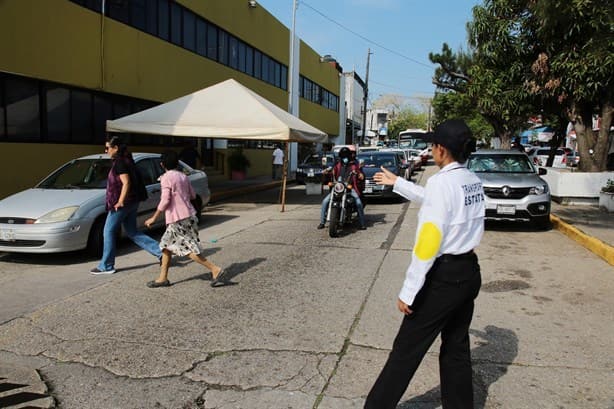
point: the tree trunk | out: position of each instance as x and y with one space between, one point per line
501 131
583 125
602 146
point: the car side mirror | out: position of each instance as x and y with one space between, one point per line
542 171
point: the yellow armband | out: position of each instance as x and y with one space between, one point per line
429 241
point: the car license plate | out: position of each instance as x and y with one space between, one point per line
7 235
506 209
310 173
368 189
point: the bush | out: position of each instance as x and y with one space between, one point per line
609 186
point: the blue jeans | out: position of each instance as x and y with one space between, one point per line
359 207
126 217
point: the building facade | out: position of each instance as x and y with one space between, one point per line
67 66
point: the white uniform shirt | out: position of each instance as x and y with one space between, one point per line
278 157
450 220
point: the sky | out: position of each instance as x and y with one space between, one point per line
400 34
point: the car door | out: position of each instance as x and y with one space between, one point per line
150 171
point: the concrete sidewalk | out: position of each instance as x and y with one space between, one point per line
590 226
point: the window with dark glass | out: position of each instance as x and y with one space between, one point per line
102 112
249 60
151 17
57 106
163 19
95 5
119 10
277 82
189 30
241 56
2 109
223 47
81 119
307 91
265 68
22 109
284 77
137 14
201 37
121 108
212 42
301 85
316 96
257 64
272 71
233 52
175 23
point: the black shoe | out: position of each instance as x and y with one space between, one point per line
155 284
362 228
321 226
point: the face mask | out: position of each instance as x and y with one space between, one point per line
345 161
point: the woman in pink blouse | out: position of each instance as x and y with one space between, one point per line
181 235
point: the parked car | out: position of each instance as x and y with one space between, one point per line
371 163
66 211
312 166
539 157
420 146
512 187
408 160
572 157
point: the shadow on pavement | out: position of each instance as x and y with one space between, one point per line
497 350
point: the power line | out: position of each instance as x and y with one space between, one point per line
365 38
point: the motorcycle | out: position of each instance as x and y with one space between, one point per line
342 205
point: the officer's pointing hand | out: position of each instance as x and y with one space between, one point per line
385 177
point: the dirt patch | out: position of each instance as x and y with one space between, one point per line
504 285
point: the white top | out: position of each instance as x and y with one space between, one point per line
450 220
278 157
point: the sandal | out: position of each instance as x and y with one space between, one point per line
155 284
219 279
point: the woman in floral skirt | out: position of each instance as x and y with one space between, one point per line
181 235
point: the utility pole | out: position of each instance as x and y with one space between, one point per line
365 97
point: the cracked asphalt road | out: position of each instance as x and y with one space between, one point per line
307 321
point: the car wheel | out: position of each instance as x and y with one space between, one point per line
542 222
198 206
95 239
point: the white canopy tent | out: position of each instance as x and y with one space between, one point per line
227 110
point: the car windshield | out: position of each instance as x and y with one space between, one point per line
500 164
413 144
79 174
375 161
316 160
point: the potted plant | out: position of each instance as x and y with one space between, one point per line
238 164
606 196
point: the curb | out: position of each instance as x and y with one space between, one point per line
603 250
224 194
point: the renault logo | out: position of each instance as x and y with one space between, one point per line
506 191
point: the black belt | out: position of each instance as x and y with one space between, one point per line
455 257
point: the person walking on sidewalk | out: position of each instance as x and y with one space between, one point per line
278 162
443 278
181 235
121 204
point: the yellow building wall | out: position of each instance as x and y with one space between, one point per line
60 41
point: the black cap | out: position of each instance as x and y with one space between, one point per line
454 134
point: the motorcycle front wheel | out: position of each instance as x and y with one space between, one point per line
333 224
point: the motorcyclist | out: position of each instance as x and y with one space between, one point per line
345 168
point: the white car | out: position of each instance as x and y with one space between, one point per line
66 211
539 157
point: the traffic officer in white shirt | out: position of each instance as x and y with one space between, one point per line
443 277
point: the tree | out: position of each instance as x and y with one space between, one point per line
407 118
451 104
574 67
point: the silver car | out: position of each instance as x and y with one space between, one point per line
514 191
66 211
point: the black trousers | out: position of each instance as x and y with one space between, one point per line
443 305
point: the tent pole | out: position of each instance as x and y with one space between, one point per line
285 175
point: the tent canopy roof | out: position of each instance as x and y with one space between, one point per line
225 110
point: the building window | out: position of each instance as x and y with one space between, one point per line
189 30
81 118
233 52
118 10
2 109
22 109
163 20
151 17
284 77
212 47
176 24
57 104
242 51
201 37
265 68
95 5
137 14
258 64
249 61
223 47
102 112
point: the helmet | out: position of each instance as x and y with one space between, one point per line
344 152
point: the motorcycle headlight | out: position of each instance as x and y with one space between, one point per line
539 190
59 215
339 188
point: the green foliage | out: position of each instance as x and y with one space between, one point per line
609 186
407 118
237 161
449 105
